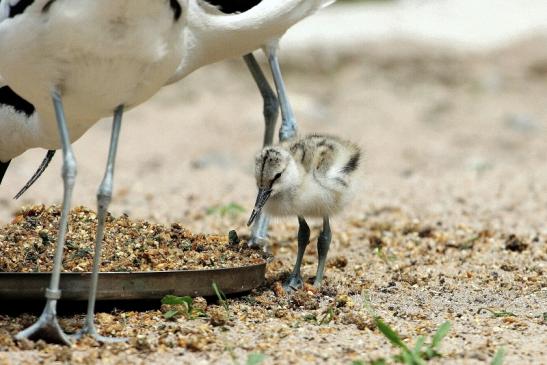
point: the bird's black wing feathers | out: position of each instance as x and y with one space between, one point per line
177 9
234 6
3 168
19 7
8 97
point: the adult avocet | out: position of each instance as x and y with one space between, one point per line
220 29
110 53
77 61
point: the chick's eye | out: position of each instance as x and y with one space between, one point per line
277 176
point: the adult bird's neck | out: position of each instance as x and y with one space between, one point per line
211 35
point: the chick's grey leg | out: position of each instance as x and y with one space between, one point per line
295 279
288 121
323 244
104 196
47 327
259 230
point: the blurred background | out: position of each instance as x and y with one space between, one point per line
448 99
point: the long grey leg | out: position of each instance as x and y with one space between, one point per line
323 244
259 230
47 327
295 280
288 121
271 105
104 196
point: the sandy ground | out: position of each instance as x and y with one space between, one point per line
455 164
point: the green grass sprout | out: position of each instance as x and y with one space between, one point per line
221 298
421 352
181 306
328 317
498 357
497 314
255 358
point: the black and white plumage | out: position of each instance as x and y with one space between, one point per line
12 8
308 177
16 109
225 28
119 52
9 99
213 30
234 6
3 167
219 29
74 62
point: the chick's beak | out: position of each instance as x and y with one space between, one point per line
262 197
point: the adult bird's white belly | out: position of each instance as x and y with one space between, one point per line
97 54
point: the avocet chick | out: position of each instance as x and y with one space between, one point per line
308 177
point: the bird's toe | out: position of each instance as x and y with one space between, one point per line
293 284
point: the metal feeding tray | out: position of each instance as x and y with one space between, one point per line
134 285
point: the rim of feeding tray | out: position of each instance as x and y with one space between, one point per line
136 284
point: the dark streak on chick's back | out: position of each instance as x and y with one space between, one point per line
352 164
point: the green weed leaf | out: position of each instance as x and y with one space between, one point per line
390 334
221 297
498 357
441 333
170 314
418 346
174 300
255 358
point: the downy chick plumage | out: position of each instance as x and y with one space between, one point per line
311 176
308 177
